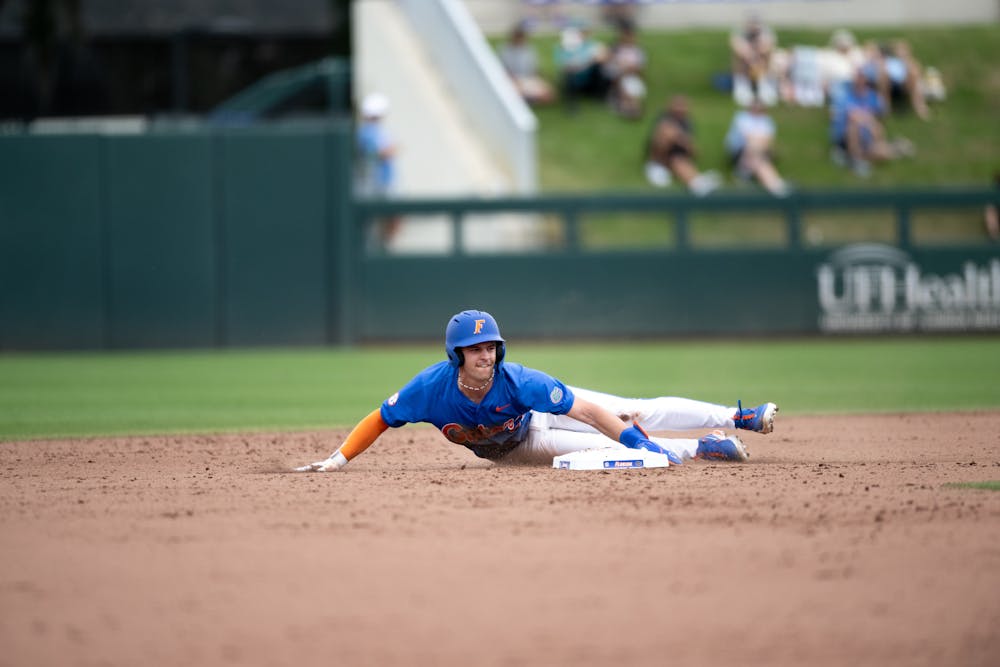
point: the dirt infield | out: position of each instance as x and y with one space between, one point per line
840 543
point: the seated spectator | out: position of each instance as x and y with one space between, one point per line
670 151
838 63
752 47
897 75
991 214
933 85
857 132
521 63
804 82
625 69
619 12
580 60
749 143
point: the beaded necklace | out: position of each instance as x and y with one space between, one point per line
485 384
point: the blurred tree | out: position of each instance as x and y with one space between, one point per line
39 29
340 11
64 75
65 61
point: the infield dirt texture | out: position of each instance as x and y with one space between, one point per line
842 542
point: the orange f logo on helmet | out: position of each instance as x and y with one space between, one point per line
479 326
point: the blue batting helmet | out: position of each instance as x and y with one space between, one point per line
471 327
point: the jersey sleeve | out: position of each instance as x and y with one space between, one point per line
363 435
403 407
541 392
412 403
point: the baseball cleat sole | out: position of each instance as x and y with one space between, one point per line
767 418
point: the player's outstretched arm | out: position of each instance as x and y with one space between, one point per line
358 440
608 423
597 416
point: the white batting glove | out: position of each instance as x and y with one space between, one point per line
335 462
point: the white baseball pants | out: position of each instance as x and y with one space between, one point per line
553 435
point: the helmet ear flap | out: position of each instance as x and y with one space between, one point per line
458 357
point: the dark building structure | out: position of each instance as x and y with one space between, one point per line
153 57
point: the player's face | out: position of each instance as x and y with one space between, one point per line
479 360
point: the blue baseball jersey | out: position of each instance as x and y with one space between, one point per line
491 428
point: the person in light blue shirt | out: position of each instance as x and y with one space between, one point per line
580 60
894 71
375 155
856 130
376 150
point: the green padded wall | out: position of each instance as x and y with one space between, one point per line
274 189
210 237
52 243
163 242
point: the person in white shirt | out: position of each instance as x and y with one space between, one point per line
749 143
625 69
752 47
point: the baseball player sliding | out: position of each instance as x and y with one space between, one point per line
508 413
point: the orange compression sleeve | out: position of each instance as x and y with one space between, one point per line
363 435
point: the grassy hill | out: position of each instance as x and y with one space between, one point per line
960 144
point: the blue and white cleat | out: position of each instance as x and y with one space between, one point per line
759 419
721 447
651 446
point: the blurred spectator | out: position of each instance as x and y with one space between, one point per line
376 153
619 12
933 85
897 75
803 83
752 47
749 143
838 63
540 12
521 62
670 151
625 69
857 132
991 214
580 60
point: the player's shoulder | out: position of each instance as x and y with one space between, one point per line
425 386
512 369
434 372
521 374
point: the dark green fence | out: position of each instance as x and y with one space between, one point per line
685 288
193 239
219 237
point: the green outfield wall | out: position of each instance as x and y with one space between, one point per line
250 237
193 239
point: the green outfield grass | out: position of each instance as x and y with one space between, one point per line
991 485
88 394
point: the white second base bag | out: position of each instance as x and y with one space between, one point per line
610 458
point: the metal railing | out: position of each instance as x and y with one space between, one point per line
571 208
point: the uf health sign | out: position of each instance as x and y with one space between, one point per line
879 288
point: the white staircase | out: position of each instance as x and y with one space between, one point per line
442 151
